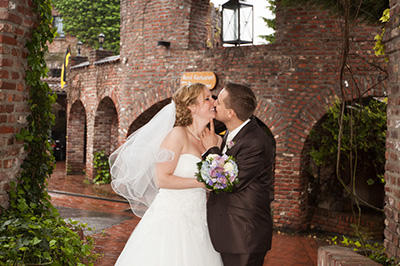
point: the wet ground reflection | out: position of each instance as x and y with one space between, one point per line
97 221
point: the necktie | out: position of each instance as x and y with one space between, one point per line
228 139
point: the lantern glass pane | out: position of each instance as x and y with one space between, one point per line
246 24
230 25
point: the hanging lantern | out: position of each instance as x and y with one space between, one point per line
237 22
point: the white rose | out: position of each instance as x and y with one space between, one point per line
228 167
211 156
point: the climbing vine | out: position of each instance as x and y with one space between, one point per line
270 38
364 136
379 44
38 165
349 115
86 19
31 231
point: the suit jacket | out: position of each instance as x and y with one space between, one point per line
240 221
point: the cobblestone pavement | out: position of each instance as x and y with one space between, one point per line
113 222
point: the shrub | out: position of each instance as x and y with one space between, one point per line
102 168
29 239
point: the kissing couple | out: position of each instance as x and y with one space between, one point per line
156 168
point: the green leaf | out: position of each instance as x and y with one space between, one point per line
52 242
36 241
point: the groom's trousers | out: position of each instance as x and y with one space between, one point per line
253 259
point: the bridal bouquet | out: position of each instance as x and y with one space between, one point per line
219 173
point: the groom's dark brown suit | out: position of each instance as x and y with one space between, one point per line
240 222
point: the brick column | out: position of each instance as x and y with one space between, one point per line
392 175
16 20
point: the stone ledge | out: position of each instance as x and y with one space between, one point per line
341 256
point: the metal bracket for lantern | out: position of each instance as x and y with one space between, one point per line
237 22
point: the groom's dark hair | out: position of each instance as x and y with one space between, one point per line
241 99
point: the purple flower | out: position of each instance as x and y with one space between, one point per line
219 173
223 180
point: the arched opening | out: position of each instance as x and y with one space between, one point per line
105 137
330 204
147 115
76 139
59 129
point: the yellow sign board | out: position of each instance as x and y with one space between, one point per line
207 78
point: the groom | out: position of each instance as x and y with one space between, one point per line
240 222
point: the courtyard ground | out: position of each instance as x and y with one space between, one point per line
113 221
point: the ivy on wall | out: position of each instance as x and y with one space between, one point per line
86 19
379 47
31 230
270 22
38 165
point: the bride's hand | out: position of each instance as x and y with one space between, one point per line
208 137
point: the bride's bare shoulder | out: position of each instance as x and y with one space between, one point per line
177 134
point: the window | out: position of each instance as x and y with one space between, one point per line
57 23
55 72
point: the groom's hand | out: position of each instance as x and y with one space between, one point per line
208 137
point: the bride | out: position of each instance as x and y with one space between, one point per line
155 170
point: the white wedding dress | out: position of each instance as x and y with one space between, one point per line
173 231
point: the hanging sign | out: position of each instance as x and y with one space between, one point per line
207 78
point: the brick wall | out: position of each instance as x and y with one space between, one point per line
392 175
75 158
16 23
295 79
336 255
341 223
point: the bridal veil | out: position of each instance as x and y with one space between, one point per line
132 165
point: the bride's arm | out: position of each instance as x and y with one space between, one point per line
174 142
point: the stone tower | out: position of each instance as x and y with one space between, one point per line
144 23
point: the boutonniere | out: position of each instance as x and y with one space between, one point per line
230 144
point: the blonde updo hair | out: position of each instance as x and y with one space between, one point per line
184 97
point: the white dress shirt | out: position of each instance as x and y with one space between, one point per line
232 134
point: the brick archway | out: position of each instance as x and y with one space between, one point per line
328 209
76 139
105 133
147 115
